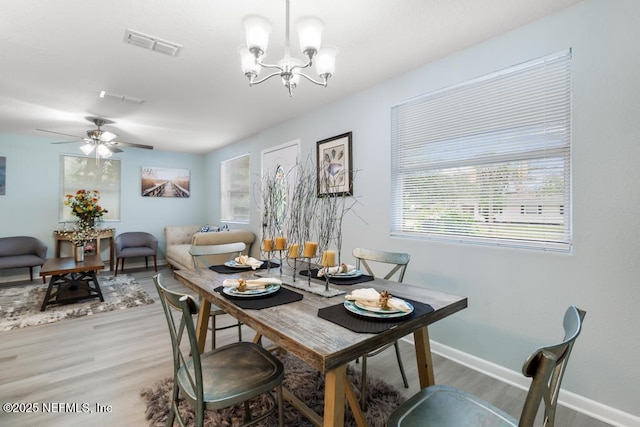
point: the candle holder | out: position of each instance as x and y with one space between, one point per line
295 266
280 262
308 271
326 279
269 254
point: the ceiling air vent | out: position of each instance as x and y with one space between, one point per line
152 43
123 98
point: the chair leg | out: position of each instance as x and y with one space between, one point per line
280 406
213 332
239 331
31 273
155 264
400 365
146 262
363 386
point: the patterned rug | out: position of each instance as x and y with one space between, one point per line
20 305
305 383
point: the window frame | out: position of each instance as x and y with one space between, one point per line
445 140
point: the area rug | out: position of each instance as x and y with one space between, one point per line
305 383
20 305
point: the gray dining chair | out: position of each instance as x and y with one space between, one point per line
399 261
220 378
199 255
446 406
135 244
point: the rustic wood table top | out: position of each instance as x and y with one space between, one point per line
322 344
68 265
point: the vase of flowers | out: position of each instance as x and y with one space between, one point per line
84 205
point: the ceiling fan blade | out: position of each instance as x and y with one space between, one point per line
129 144
66 142
112 148
60 133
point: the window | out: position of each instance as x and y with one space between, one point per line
487 161
91 174
234 189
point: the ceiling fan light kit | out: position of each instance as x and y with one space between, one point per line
99 141
309 29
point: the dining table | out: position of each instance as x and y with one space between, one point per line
304 328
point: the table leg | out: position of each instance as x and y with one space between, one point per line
334 394
354 404
203 323
48 294
423 357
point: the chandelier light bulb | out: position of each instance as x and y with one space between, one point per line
326 61
309 34
257 30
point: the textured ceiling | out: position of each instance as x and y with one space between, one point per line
58 55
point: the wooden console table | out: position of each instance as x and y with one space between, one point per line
104 233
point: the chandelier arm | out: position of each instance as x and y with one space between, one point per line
319 83
263 65
256 82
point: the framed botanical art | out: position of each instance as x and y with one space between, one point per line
335 166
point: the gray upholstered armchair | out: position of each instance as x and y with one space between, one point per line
136 244
22 251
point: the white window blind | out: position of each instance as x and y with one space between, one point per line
487 161
234 189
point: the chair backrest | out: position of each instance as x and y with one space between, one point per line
185 307
199 252
546 367
399 259
135 239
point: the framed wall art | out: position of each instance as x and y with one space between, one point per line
335 166
165 182
3 175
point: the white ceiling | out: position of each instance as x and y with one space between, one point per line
56 56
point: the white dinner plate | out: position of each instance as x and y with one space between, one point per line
348 275
383 314
268 290
375 309
235 264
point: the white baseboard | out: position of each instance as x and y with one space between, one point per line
578 403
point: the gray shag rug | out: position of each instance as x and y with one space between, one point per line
20 305
302 380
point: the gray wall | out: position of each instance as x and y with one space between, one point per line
517 297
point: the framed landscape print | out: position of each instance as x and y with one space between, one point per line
3 175
335 166
165 182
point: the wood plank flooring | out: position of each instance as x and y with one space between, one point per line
89 371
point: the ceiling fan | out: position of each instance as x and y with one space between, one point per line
98 140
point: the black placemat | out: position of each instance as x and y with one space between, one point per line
223 269
339 315
346 281
283 296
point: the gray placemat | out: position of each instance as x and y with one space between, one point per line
223 269
339 315
283 296
336 281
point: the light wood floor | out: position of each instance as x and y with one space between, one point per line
103 361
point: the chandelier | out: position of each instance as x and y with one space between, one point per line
288 68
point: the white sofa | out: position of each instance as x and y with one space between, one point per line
181 237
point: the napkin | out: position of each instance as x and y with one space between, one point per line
247 260
370 297
260 283
342 268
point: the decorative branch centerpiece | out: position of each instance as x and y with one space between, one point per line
84 205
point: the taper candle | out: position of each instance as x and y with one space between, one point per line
310 249
281 243
328 258
268 245
294 251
